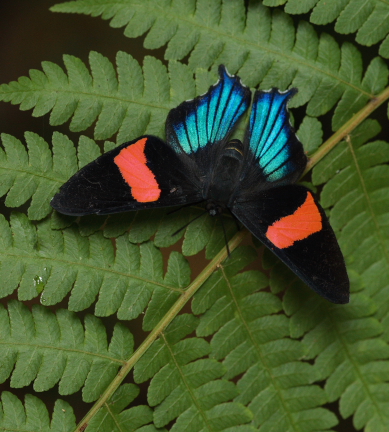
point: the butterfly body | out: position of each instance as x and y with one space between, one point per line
252 178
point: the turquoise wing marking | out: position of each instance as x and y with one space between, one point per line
271 138
208 118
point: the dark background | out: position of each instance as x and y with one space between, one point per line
30 34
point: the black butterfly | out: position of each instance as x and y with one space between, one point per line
253 179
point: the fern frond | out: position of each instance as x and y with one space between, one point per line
203 233
346 342
266 50
186 388
310 133
370 19
131 104
33 415
35 174
47 349
115 418
357 189
53 263
349 353
235 367
252 339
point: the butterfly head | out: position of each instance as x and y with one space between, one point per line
214 208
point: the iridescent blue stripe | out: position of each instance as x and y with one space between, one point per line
275 154
272 131
269 133
278 162
214 113
279 174
182 137
222 122
211 117
233 109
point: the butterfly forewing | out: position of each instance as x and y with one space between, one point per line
144 173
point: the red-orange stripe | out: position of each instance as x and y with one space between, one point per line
305 221
131 162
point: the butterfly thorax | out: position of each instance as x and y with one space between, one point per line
225 177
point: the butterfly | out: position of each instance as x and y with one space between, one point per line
253 179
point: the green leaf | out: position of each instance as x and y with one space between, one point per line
64 352
186 387
299 6
357 190
33 415
124 279
114 101
114 416
310 133
326 11
346 342
36 174
348 351
247 357
279 56
368 18
251 339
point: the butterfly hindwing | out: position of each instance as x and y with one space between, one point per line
144 173
292 224
210 118
270 141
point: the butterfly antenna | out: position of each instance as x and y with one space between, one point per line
235 219
195 218
225 237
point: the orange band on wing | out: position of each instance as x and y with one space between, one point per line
131 162
305 221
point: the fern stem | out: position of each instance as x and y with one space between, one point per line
160 327
346 129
